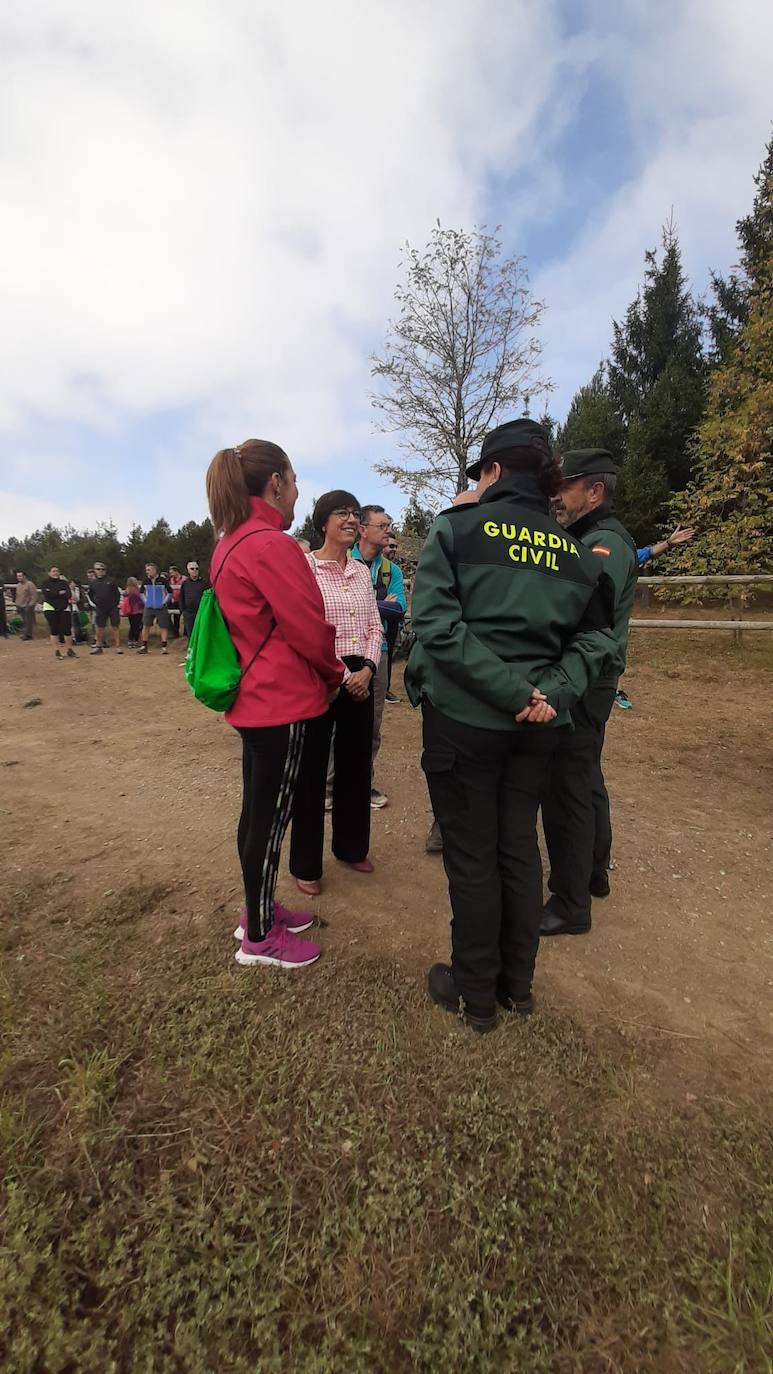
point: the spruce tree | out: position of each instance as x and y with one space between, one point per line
592 421
730 498
657 382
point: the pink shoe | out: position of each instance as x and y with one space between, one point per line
364 866
279 948
294 921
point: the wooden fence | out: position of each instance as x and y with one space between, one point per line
736 625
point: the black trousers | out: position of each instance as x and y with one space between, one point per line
189 620
135 626
352 745
575 809
485 787
271 758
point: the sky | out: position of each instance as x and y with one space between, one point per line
203 207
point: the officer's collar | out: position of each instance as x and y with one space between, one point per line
519 487
589 521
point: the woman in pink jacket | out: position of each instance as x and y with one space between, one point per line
273 608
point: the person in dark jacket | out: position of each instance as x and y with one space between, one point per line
56 609
191 592
106 597
575 809
511 617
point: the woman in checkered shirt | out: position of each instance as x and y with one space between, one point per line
350 605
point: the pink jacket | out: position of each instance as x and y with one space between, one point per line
272 605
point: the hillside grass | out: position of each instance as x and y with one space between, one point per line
208 1168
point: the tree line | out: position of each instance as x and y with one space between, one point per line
684 401
74 551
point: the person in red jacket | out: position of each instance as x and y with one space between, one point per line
275 616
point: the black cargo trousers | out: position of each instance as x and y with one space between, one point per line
486 787
575 809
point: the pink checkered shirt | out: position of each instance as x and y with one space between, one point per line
350 605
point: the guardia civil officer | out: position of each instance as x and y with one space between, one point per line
511 617
575 809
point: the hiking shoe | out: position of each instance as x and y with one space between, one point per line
551 924
434 841
280 949
143 649
442 990
377 799
119 651
96 650
58 654
599 885
392 699
164 649
294 921
71 653
623 700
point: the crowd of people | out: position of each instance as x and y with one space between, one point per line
87 612
520 611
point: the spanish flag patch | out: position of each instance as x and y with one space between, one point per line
599 548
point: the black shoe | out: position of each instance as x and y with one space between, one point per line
143 649
391 699
522 1003
551 924
71 653
599 884
442 991
434 843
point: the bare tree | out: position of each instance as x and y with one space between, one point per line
462 354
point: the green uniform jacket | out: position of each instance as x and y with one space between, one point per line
502 597
601 531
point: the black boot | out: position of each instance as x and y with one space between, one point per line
442 990
599 884
517 1000
551 924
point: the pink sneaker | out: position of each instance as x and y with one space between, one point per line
279 948
294 921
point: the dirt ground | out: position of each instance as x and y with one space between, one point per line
117 773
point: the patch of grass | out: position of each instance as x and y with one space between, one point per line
208 1168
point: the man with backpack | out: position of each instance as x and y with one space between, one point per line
375 531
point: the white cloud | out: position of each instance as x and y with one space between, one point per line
19 515
694 87
204 202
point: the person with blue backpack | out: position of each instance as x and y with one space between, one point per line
268 601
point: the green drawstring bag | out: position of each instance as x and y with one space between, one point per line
212 664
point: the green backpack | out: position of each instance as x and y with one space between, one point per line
212 664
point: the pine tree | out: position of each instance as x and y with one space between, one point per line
728 312
592 421
730 498
657 382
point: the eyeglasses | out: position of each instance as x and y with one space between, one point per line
343 511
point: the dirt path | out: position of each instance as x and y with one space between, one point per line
118 775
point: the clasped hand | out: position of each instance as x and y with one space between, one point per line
537 711
358 685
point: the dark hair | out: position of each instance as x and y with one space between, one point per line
367 511
236 474
535 459
327 504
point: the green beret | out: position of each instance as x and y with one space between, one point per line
523 433
587 462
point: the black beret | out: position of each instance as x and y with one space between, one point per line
587 462
327 504
523 433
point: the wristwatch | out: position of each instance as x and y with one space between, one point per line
368 663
